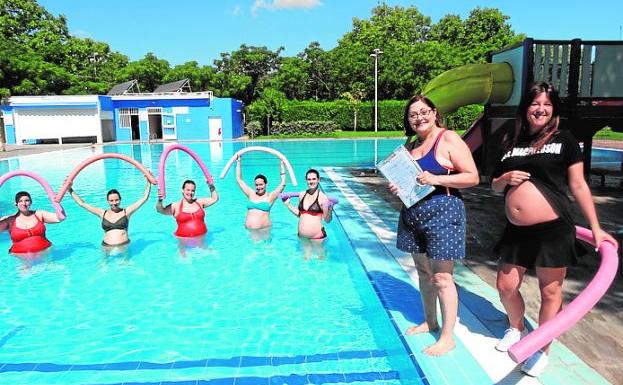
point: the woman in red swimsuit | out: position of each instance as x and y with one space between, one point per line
189 213
313 207
27 227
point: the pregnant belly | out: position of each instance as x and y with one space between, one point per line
526 205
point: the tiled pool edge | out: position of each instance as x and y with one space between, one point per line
457 367
565 367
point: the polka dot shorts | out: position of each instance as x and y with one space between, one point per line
434 226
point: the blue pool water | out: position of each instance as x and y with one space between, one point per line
606 158
236 311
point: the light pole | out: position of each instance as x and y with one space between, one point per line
375 54
95 59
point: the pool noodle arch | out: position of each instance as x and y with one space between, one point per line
72 175
581 305
162 161
288 195
46 186
264 149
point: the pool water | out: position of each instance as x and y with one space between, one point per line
237 310
607 158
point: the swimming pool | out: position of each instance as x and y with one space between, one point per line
607 158
238 311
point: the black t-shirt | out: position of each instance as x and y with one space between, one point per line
547 167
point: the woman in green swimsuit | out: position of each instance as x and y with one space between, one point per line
114 220
260 201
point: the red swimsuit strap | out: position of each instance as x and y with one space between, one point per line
184 216
17 233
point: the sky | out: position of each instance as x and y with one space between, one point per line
185 30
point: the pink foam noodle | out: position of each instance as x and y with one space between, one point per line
288 195
110 155
264 149
163 158
46 186
575 310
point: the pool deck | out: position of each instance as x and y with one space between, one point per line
596 340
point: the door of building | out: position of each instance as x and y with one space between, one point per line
215 125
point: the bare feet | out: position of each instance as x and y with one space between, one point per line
421 328
441 347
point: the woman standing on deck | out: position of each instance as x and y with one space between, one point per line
540 161
433 230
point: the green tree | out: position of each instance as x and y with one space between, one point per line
354 98
149 72
319 73
292 77
268 107
241 73
201 78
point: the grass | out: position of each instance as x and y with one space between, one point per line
608 134
604 134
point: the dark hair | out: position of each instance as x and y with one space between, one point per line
188 181
419 98
262 177
112 191
21 194
312 171
521 122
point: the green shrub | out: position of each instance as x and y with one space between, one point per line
253 128
303 127
342 114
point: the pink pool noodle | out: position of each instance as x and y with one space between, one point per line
575 310
72 175
264 149
163 158
46 186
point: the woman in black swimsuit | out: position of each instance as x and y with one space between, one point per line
313 207
115 221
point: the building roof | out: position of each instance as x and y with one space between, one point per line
177 86
130 87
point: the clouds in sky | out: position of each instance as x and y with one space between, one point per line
284 4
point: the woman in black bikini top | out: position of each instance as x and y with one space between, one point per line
115 220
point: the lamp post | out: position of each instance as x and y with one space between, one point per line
95 59
375 54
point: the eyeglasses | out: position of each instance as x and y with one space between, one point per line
421 113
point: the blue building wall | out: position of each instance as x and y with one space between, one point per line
192 117
193 125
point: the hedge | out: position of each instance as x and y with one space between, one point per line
341 113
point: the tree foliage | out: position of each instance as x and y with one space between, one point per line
38 56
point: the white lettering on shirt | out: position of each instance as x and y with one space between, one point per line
551 148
